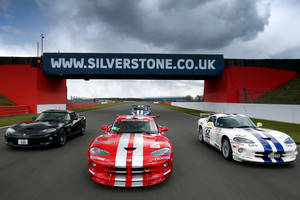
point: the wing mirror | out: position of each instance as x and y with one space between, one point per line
259 124
104 127
210 124
33 118
164 129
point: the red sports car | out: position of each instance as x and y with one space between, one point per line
133 152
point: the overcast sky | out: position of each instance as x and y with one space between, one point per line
234 28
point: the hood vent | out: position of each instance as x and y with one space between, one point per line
266 138
130 148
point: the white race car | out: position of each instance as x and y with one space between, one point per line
238 138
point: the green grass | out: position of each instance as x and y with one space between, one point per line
5 102
13 119
291 129
8 120
97 107
286 94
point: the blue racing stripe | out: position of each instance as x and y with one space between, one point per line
278 146
267 147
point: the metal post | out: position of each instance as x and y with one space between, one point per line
42 45
37 49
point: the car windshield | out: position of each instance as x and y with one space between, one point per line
53 116
234 122
130 126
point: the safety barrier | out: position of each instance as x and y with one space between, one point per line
13 110
276 112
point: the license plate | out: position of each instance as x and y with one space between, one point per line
22 141
274 156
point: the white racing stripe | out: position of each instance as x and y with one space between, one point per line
137 156
121 154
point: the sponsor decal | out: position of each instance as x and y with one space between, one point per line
105 142
97 158
162 158
155 145
97 143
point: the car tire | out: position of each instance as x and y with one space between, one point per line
226 149
200 134
61 139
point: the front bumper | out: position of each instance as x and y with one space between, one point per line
105 173
252 154
32 141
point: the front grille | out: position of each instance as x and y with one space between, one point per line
118 170
31 141
270 154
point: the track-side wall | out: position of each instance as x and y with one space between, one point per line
245 83
276 112
27 85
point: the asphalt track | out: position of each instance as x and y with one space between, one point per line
200 172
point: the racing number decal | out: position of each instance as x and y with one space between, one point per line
207 131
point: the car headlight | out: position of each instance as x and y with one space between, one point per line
98 151
289 140
161 152
10 131
242 140
49 130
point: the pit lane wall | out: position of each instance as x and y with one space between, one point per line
13 110
276 112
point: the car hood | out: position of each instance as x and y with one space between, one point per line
35 127
139 145
257 134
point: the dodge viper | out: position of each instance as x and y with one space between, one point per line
140 110
133 152
238 138
51 127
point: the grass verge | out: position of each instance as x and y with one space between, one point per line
5 101
13 119
292 130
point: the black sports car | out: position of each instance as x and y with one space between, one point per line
51 127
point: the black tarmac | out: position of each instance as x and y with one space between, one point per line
200 172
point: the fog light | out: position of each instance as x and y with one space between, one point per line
93 164
240 150
166 164
50 138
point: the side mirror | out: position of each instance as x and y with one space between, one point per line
259 124
210 124
164 129
33 118
104 127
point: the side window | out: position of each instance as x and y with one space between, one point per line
68 116
218 124
72 116
212 119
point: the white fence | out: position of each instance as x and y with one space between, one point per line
277 112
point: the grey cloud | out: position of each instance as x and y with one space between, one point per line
4 4
174 24
291 53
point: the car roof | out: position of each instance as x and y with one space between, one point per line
58 111
229 115
133 118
